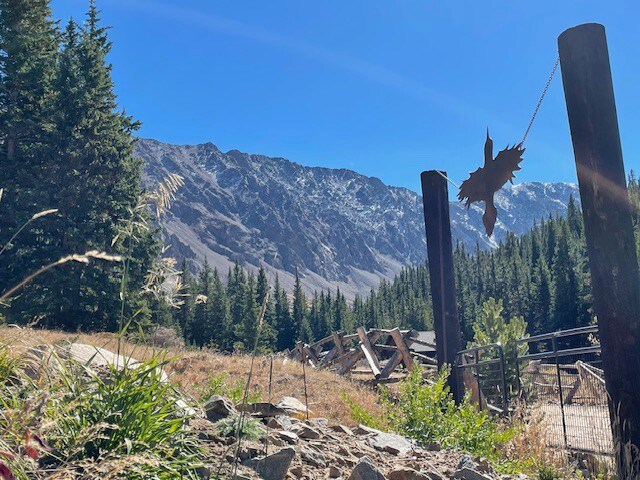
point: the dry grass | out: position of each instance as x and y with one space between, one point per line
192 371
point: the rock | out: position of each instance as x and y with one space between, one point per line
466 473
289 437
436 476
342 429
478 464
261 409
218 407
306 431
313 456
204 472
296 472
274 466
386 442
404 473
334 472
364 470
293 407
184 409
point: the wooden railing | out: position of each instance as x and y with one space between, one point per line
342 353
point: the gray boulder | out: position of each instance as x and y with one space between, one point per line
364 470
274 466
466 473
218 407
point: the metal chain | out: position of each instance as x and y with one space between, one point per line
544 92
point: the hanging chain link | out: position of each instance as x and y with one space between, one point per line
544 92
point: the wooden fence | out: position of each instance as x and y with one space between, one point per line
381 352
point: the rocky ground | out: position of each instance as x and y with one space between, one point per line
288 442
293 447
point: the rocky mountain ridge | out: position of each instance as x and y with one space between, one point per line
338 228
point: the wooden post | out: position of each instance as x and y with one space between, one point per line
435 199
369 353
588 87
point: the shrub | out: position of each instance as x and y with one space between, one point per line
120 420
228 427
491 327
427 412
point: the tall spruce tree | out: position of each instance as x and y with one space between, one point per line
28 57
95 183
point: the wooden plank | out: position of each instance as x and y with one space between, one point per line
435 197
351 361
337 340
588 88
371 360
426 344
320 343
329 356
311 355
392 364
402 348
368 352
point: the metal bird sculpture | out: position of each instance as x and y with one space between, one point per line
485 181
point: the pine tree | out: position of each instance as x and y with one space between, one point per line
300 313
199 332
28 56
285 325
96 186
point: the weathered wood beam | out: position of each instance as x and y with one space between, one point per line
398 338
392 364
588 88
338 341
435 198
368 352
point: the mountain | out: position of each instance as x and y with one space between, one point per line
336 227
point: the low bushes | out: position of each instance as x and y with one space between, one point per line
121 421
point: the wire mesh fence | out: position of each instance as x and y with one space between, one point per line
560 376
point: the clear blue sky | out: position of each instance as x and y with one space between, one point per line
385 87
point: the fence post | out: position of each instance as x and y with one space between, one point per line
588 88
503 375
554 343
435 198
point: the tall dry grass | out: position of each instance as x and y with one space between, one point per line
193 372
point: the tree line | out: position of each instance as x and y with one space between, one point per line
541 279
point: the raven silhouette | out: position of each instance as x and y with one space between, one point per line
487 180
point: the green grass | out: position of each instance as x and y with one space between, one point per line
124 419
427 412
234 391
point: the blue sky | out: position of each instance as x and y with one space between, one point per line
385 87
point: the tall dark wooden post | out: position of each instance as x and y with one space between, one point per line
588 88
435 200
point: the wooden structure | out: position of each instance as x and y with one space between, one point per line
343 353
435 197
588 88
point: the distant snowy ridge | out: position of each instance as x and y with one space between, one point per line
337 227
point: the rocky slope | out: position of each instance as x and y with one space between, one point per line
337 227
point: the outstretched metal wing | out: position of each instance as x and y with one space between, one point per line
474 189
501 169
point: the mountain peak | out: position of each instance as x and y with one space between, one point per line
337 227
